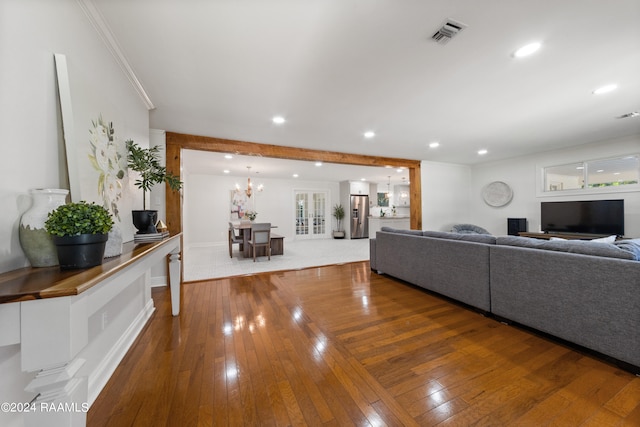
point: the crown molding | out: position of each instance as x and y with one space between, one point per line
103 30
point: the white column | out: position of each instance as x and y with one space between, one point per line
174 280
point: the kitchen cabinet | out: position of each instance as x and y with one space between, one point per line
376 223
359 187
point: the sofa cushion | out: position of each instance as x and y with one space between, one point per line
523 242
477 238
584 247
630 245
402 231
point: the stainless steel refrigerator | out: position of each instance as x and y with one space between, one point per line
359 217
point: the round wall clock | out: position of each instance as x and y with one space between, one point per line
497 194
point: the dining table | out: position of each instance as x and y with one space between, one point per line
277 246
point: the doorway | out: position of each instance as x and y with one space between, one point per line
310 214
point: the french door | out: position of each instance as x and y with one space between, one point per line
311 213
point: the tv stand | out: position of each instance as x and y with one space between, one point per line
567 236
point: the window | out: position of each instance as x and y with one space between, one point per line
591 174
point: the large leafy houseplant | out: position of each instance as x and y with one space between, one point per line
338 214
146 161
79 231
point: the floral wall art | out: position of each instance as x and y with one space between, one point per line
94 139
109 159
239 205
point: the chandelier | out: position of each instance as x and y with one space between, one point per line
388 193
249 190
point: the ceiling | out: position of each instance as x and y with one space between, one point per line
260 168
337 68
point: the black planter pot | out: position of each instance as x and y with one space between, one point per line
81 251
145 221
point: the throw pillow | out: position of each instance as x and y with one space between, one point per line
609 239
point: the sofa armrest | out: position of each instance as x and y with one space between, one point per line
372 253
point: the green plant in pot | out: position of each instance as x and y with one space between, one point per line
338 214
146 161
80 232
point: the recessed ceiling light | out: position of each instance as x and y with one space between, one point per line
295 175
363 179
580 168
482 152
434 144
369 134
605 89
226 171
278 120
228 156
399 170
600 170
318 163
527 50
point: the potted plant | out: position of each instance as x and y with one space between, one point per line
79 231
146 161
338 214
252 215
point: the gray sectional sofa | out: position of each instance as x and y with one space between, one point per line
587 293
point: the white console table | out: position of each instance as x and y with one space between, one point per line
47 312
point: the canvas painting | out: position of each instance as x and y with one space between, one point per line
239 205
95 136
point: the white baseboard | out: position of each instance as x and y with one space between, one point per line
159 281
100 376
205 245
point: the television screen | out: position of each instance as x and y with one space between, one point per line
604 217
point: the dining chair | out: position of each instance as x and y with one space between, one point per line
233 239
260 236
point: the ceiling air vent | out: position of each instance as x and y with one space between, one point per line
629 115
448 31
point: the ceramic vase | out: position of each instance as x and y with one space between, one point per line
114 243
145 221
34 239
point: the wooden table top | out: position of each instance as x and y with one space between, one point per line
246 225
31 283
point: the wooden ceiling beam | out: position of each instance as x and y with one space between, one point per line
178 141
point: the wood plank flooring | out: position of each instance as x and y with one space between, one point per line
341 346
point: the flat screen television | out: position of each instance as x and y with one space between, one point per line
604 217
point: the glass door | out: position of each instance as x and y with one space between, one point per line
310 214
302 214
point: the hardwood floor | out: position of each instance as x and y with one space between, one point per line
342 346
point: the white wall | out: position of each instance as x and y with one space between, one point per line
452 193
445 195
31 31
207 201
523 176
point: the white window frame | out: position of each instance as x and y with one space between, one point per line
541 190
